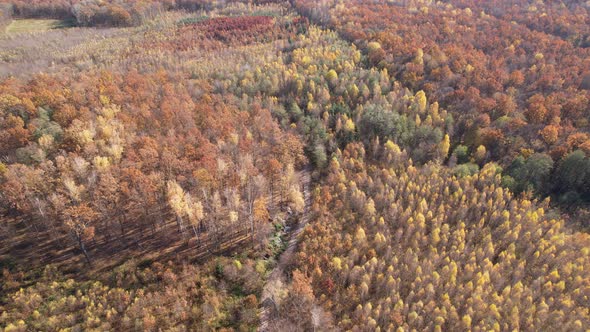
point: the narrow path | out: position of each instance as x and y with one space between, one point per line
276 280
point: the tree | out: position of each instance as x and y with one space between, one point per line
376 53
296 199
480 154
272 171
260 217
332 77
319 156
177 201
80 220
13 133
573 176
421 102
443 147
298 305
550 134
260 210
531 173
290 190
195 213
461 152
536 110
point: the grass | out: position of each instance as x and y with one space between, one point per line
36 25
193 20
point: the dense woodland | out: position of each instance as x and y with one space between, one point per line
152 157
395 246
517 88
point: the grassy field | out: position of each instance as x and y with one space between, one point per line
36 25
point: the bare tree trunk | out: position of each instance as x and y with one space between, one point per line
250 211
107 233
84 251
180 224
122 220
251 228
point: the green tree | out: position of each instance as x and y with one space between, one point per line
572 178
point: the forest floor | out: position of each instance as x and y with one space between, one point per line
276 282
143 245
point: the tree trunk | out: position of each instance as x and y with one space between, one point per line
180 225
122 220
251 228
107 233
84 251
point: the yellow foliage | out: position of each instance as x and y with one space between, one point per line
420 99
360 234
101 163
444 146
480 153
46 141
466 321
349 125
332 75
389 145
260 210
337 263
373 46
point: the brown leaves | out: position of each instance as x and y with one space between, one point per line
550 134
79 218
261 213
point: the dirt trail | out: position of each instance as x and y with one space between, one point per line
276 280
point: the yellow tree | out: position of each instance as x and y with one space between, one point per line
177 202
443 147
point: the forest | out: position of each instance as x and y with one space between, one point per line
514 76
202 165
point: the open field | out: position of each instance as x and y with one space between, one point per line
36 25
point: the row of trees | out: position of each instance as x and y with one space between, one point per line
112 13
219 32
101 13
88 12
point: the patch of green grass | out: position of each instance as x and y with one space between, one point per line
192 20
279 240
269 13
36 25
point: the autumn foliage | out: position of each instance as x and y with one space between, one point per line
155 160
418 248
524 66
